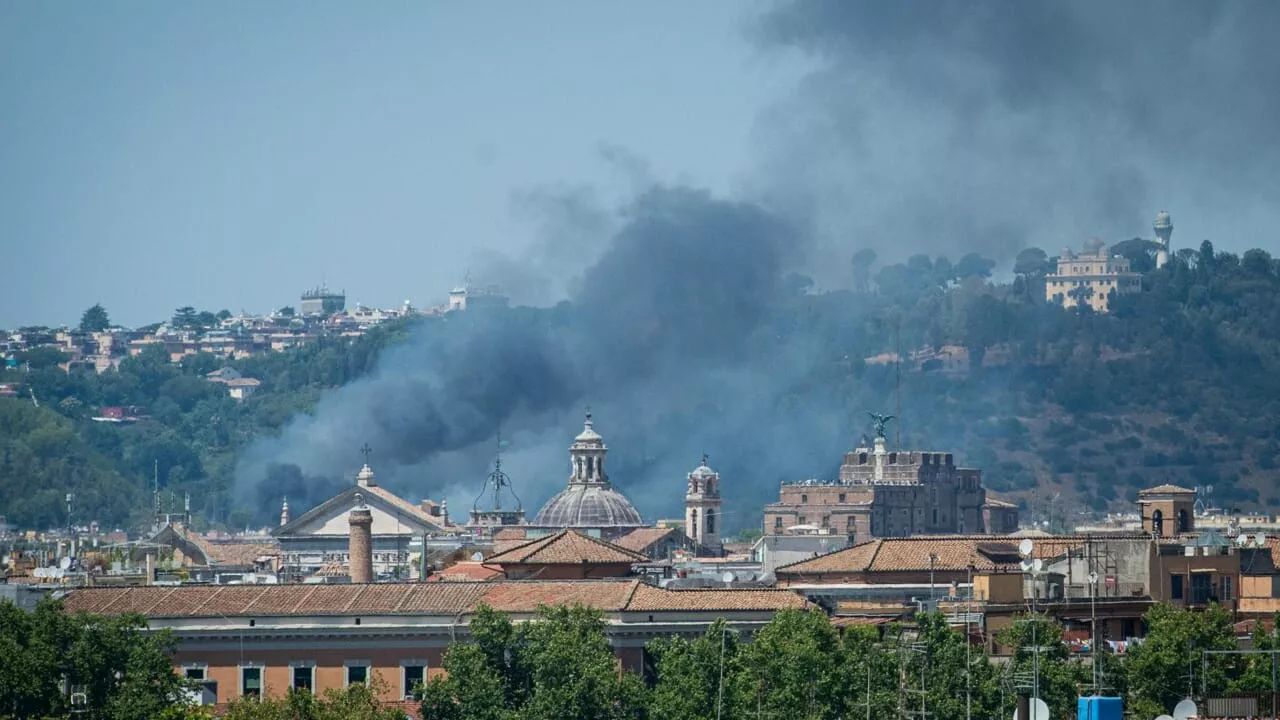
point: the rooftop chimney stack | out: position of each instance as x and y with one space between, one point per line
361 542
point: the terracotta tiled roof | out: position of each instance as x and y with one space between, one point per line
641 539
951 552
1166 489
852 559
404 505
567 547
650 598
466 571
438 598
510 534
332 569
525 597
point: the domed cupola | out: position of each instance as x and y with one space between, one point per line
589 501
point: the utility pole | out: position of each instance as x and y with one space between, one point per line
968 648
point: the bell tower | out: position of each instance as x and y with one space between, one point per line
702 506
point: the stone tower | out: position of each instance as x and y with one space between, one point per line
360 548
702 505
1168 510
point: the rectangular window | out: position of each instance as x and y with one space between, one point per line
251 681
357 674
304 677
195 673
1201 588
777 523
1226 588
1175 586
414 676
842 497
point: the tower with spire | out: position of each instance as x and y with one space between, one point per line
702 508
495 515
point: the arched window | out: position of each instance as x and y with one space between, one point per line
711 521
693 524
1157 523
1184 524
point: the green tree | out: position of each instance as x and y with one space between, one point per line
572 669
790 669
1060 676
125 672
1160 669
42 357
185 318
94 319
692 675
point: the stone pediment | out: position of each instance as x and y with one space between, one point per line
392 515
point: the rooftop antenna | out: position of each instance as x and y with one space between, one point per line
155 488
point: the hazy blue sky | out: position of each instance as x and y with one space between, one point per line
230 154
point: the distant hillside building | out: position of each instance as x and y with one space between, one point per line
322 301
887 494
1090 278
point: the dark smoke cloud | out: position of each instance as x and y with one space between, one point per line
929 127
952 127
661 337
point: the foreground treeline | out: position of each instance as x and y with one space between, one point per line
562 666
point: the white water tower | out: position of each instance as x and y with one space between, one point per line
1164 230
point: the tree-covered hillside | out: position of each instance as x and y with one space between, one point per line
1181 383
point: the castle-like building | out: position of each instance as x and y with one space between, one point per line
883 493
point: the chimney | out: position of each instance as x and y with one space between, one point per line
361 542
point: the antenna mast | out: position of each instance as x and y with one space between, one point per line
897 381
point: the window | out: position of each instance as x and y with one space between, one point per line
841 497
357 672
304 677
804 499
251 681
935 516
1226 588
195 673
1176 587
711 520
414 675
1201 588
801 519
777 523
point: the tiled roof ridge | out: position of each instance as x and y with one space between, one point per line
877 541
615 546
516 548
631 594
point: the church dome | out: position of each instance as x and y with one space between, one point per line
588 506
588 501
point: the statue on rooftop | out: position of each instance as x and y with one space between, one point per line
878 421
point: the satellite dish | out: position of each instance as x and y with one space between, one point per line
1039 710
1261 539
1164 717
728 577
1242 540
1185 709
1093 578
1026 547
477 556
1037 565
65 563
1026 566
59 573
39 572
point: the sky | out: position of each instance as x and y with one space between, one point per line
232 154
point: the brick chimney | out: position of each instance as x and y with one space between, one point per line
361 542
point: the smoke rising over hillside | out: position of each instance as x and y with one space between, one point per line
955 127
939 128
